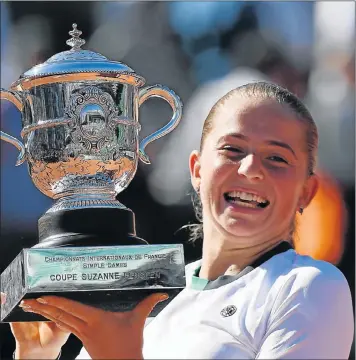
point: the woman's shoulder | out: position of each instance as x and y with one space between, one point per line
310 292
301 272
307 266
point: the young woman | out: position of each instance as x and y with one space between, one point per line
251 296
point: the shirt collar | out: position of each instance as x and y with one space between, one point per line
198 283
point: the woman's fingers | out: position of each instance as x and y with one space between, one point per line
3 298
66 321
66 327
75 308
78 318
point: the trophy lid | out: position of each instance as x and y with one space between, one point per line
76 60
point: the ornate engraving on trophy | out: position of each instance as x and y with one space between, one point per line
78 55
93 114
94 137
83 203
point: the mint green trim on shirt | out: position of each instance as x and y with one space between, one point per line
197 282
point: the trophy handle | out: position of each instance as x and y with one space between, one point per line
176 105
13 97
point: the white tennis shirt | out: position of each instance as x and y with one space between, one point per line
284 306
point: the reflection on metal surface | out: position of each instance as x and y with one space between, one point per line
173 100
80 125
75 41
78 60
14 98
123 77
104 267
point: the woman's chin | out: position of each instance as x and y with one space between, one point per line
242 227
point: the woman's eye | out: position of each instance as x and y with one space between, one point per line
277 159
233 149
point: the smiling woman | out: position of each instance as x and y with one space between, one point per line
251 293
263 125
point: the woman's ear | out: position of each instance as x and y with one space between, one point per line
194 167
309 190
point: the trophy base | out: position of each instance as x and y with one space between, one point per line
91 255
113 278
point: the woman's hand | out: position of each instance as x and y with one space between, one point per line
105 335
37 340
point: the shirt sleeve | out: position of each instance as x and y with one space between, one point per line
313 318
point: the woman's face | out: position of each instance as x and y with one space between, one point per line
252 172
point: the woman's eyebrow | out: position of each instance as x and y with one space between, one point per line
269 142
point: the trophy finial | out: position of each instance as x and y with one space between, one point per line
75 42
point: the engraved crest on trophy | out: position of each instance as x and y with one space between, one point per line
92 115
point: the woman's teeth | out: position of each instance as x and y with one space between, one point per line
246 199
242 203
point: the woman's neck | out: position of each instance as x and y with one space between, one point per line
226 257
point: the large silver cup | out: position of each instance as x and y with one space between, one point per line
80 131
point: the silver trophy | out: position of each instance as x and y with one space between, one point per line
80 134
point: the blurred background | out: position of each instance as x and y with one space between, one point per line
201 50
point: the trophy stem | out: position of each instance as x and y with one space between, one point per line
87 220
91 200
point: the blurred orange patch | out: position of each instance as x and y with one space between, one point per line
320 231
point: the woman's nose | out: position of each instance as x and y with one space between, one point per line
251 167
